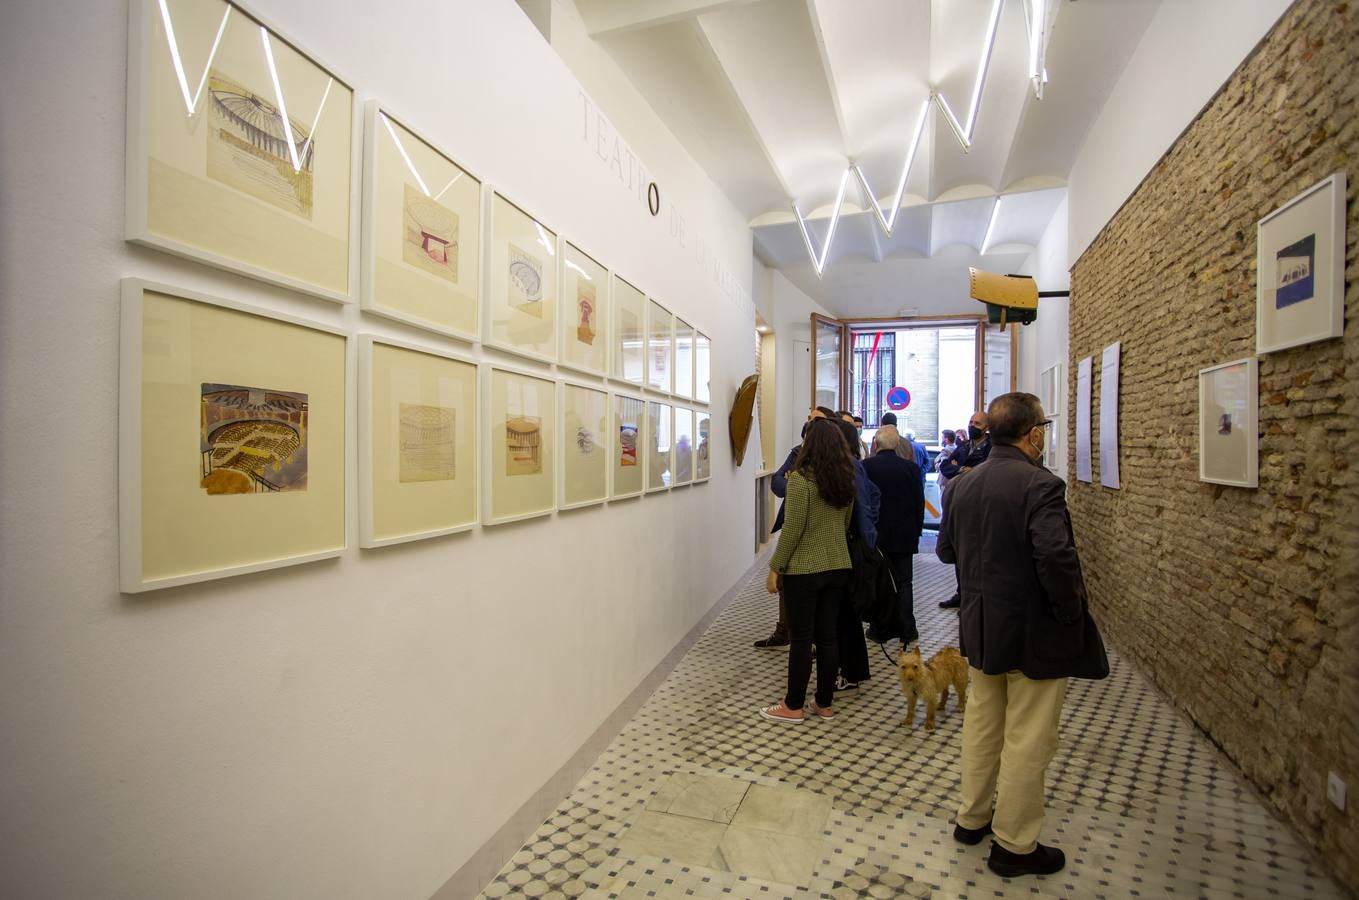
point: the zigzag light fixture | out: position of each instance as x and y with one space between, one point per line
1035 23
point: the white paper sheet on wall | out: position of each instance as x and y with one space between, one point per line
1083 375
1108 415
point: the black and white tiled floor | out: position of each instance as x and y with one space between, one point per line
699 796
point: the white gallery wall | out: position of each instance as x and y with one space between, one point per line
357 727
1187 53
791 312
1045 342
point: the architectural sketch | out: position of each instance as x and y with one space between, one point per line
427 442
585 312
627 444
249 148
585 440
429 235
523 445
252 440
526 282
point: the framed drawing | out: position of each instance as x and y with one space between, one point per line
658 430
585 285
682 454
1052 394
628 333
625 430
1229 433
240 148
703 467
521 299
421 231
1300 271
231 438
520 432
684 359
660 348
702 360
418 413
585 446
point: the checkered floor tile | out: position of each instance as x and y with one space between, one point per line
1141 802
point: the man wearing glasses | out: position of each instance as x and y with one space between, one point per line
1024 627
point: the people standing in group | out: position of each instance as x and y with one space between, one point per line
778 485
907 448
859 429
901 517
853 647
1025 629
948 442
812 561
966 458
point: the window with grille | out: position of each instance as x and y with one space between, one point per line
874 368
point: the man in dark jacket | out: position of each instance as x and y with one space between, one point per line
965 458
778 485
901 516
1025 629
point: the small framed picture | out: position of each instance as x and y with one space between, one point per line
1300 288
1229 434
660 444
584 477
585 312
520 445
626 429
628 333
521 302
703 467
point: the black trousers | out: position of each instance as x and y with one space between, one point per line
902 571
813 603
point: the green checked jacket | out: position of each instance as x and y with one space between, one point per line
813 535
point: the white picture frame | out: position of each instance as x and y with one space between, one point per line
703 464
583 471
171 339
523 298
702 367
1229 423
659 443
685 369
421 231
1300 269
397 506
660 348
583 334
627 465
185 178
627 332
682 447
518 397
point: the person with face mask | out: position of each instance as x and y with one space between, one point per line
964 459
1025 629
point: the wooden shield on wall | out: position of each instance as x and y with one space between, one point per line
742 417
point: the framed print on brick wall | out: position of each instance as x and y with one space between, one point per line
418 472
585 289
520 445
231 438
421 231
521 282
585 446
1300 269
1229 433
241 148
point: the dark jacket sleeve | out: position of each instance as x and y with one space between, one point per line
943 547
916 507
866 509
949 467
778 482
1054 550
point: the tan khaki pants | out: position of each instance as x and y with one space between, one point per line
1009 737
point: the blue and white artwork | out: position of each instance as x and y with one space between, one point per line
1296 263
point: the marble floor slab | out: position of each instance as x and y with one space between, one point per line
710 797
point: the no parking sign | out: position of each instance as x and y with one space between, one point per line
898 398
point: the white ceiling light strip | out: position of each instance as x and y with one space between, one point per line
820 261
1035 21
190 100
990 226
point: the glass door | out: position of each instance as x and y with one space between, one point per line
830 338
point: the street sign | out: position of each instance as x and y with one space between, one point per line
898 398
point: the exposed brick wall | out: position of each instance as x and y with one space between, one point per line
1242 605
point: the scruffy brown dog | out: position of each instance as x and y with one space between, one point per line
931 681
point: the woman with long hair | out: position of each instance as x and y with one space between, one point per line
813 558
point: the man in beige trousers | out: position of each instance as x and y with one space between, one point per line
1025 628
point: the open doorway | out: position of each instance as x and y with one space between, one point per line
931 373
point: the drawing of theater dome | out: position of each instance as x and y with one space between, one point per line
258 123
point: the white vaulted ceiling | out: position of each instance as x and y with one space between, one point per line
776 98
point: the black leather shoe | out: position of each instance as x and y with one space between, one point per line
971 836
776 641
952 602
1042 861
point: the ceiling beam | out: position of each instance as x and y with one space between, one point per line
612 17
829 75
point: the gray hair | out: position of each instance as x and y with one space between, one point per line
887 438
